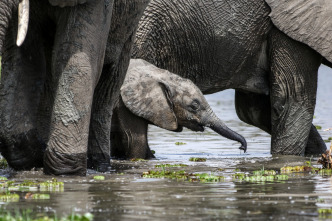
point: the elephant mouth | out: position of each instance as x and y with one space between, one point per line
179 129
196 128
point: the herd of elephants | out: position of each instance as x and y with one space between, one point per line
82 79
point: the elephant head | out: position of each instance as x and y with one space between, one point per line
169 101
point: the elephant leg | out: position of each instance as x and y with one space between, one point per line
107 92
129 135
21 89
77 61
293 80
255 109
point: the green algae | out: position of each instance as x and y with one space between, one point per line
30 216
51 185
197 159
180 143
166 174
183 175
170 165
9 197
29 185
37 196
263 172
289 169
99 178
318 127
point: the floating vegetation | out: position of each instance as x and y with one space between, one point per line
28 185
205 178
328 140
137 160
153 152
264 172
9 197
170 165
197 159
166 174
260 176
182 175
318 127
3 178
324 211
325 172
28 215
180 143
3 163
37 196
99 178
51 185
289 169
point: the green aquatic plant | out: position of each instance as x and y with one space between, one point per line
182 175
3 178
166 174
259 176
37 196
325 172
170 165
318 127
263 172
325 211
289 169
197 159
51 185
153 152
99 178
180 143
9 197
239 176
28 215
3 162
205 177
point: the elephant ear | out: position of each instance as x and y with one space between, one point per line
147 96
307 21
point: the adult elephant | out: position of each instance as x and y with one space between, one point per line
48 84
269 51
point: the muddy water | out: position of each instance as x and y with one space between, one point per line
125 195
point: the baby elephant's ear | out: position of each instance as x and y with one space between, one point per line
150 99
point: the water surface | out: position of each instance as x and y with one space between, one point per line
125 195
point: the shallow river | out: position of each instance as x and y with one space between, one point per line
125 195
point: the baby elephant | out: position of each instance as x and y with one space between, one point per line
150 95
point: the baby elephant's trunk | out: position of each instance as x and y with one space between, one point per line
220 127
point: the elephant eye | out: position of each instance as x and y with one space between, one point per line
194 106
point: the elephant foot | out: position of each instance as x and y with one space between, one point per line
56 163
23 151
99 163
316 145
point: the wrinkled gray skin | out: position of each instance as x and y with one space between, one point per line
153 95
49 83
221 44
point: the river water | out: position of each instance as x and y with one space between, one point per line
125 195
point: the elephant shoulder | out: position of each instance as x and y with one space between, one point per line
306 21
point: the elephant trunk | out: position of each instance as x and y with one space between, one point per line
217 125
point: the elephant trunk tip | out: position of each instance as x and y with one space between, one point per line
244 145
